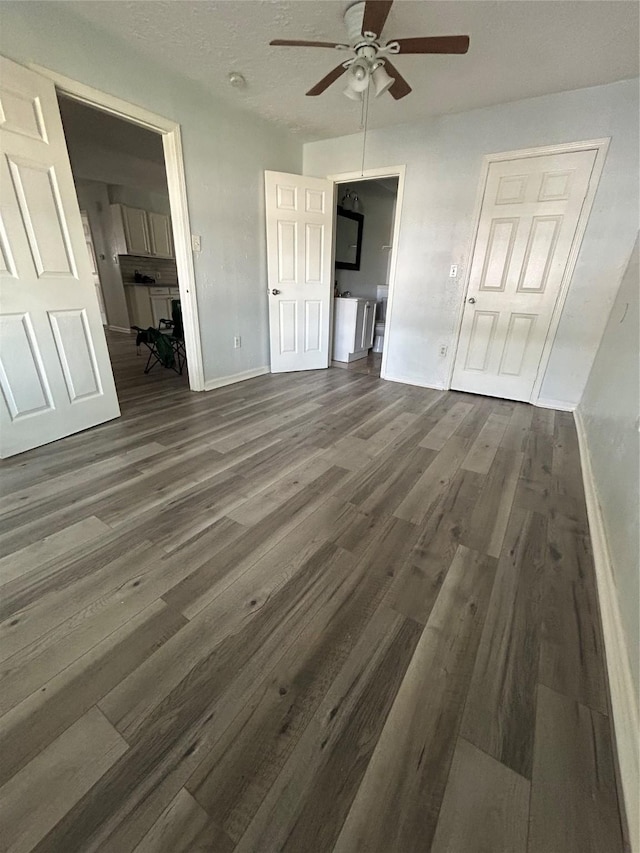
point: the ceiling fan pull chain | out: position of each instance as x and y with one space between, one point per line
366 124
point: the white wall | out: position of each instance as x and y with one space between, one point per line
609 421
443 159
156 202
610 413
225 155
110 166
377 205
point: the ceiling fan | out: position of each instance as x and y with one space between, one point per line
370 63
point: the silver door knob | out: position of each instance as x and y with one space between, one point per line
471 300
275 292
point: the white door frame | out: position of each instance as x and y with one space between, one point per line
367 175
601 147
174 164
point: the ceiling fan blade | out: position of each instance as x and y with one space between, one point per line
375 15
331 77
296 43
434 44
400 86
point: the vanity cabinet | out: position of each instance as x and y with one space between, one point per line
141 232
148 305
353 328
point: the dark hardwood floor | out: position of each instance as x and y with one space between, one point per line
305 613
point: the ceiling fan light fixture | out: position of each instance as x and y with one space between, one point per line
381 80
236 80
351 93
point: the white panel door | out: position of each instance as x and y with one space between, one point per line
299 213
55 374
160 232
528 222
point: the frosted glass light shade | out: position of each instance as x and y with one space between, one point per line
351 93
381 80
359 75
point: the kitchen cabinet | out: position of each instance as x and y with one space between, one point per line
141 232
353 328
160 233
148 305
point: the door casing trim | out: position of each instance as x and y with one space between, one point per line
174 164
601 147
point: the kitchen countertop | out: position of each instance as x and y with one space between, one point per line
149 284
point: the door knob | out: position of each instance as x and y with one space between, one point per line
471 300
275 292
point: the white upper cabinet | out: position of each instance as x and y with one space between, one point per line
140 232
160 231
136 231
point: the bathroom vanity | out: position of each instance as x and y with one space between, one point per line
353 327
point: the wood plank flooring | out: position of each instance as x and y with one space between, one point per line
305 613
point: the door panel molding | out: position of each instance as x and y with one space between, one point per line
75 351
601 148
22 356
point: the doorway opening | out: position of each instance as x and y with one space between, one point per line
367 227
365 217
169 133
121 184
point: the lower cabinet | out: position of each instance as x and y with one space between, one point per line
353 327
148 305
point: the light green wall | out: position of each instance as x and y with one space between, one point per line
225 154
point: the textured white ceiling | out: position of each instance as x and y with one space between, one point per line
519 49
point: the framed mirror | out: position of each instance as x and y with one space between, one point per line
348 239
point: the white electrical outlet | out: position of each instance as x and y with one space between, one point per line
453 272
443 350
237 342
196 242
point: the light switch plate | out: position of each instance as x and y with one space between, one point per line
196 243
453 272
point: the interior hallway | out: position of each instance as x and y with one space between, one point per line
307 612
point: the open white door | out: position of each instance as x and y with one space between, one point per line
55 373
299 213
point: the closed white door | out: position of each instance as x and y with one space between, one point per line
528 222
55 373
136 230
160 232
299 213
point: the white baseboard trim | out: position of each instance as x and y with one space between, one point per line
560 405
405 380
626 714
212 384
124 329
